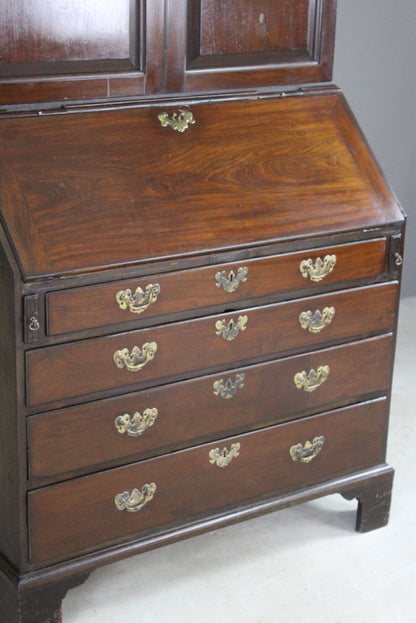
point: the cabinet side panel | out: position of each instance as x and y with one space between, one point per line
9 472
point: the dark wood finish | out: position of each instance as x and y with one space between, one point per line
10 446
58 527
191 411
55 192
88 366
86 308
26 602
59 52
238 27
374 499
96 196
56 51
244 44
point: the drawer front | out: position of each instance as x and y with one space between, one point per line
162 352
124 301
123 503
167 418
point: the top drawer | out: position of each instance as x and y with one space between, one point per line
128 300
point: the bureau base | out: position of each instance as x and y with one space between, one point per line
37 596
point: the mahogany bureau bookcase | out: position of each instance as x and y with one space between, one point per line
200 265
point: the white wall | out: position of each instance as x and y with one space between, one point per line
375 65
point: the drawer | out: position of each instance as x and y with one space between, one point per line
124 503
177 415
129 300
163 352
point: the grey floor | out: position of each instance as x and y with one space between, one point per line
300 564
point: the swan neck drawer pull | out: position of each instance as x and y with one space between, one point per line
313 380
134 501
222 458
136 359
315 322
319 270
231 282
305 453
139 301
179 121
230 330
136 425
229 388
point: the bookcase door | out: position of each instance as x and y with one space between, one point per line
246 43
66 50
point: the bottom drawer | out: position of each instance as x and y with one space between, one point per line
120 504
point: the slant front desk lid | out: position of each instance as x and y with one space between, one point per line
90 190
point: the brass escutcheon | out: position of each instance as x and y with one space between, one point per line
136 425
230 330
231 282
305 453
134 501
179 121
136 359
313 380
315 322
229 388
139 301
319 270
222 458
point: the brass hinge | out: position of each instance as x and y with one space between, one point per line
31 324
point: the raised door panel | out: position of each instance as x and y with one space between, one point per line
243 44
59 50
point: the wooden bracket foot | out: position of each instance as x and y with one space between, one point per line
374 497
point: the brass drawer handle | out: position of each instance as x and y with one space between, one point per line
140 300
136 426
231 282
308 451
313 380
230 330
398 259
315 322
134 501
228 389
222 458
179 121
137 359
319 270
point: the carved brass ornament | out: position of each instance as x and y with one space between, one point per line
136 359
136 425
313 380
222 458
134 501
231 282
139 301
315 322
305 453
228 389
179 121
230 330
319 270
